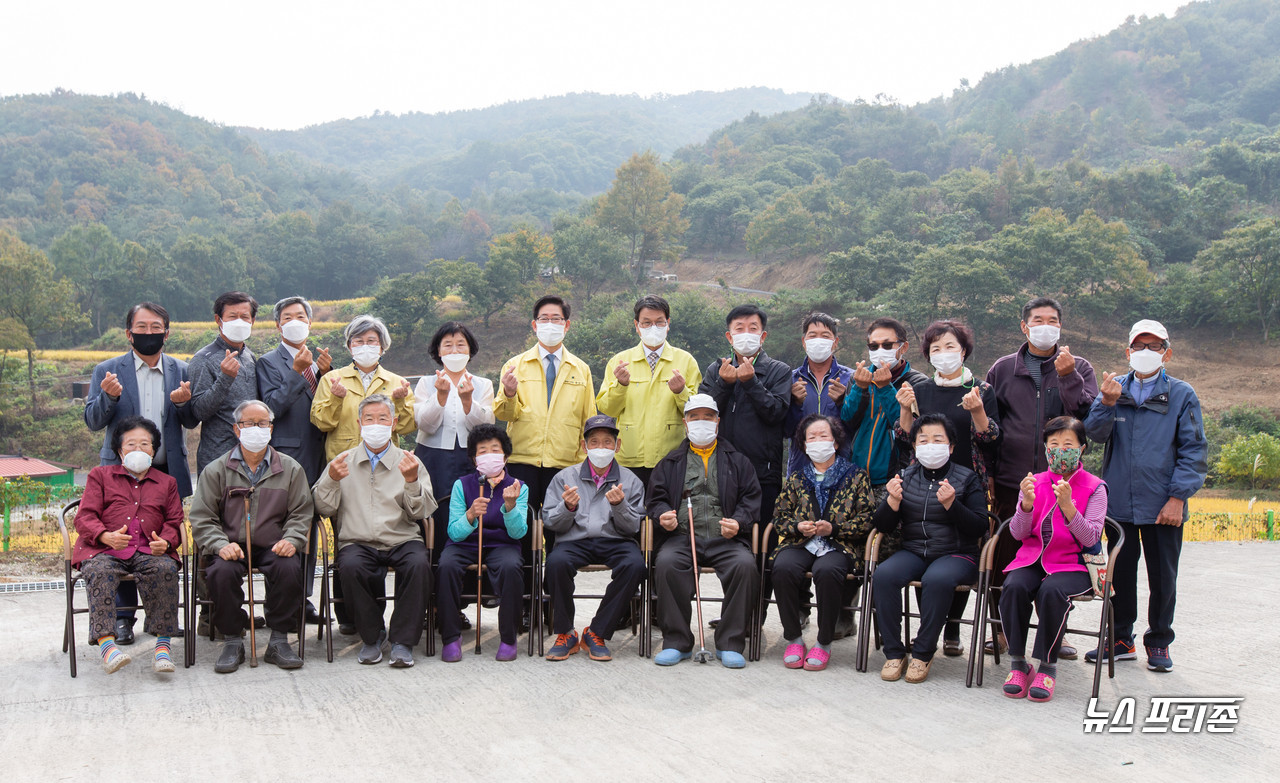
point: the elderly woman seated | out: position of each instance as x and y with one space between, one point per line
129 522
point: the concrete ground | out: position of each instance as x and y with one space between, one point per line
537 720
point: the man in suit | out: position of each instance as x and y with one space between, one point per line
287 382
143 382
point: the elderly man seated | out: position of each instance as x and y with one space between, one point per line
375 494
708 475
594 508
272 488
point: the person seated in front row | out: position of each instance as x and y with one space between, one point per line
595 510
280 506
375 494
822 520
488 497
1060 514
130 522
722 486
941 508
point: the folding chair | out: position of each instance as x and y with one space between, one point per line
329 571
71 576
1105 634
637 600
757 635
651 557
479 596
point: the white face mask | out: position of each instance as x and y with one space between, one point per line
883 357
136 461
746 343
653 336
236 331
375 436
820 450
1043 337
701 433
933 455
947 362
366 355
1146 361
601 458
295 331
819 349
254 439
550 335
455 362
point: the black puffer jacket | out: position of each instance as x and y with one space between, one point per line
929 530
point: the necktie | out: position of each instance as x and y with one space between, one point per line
310 375
653 360
551 376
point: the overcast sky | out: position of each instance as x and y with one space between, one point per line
287 64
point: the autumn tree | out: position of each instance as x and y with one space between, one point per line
1246 265
642 208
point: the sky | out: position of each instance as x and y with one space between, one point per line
285 64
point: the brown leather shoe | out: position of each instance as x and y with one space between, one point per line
893 669
1067 653
918 670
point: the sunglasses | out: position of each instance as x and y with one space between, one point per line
887 345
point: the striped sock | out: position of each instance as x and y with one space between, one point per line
162 648
111 654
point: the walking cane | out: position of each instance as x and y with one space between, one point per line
703 655
480 565
248 553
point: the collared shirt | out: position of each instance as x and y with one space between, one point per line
543 353
447 427
366 378
151 398
1140 389
257 473
293 354
599 476
374 458
649 353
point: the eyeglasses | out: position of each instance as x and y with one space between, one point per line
545 320
887 345
1156 346
247 424
647 324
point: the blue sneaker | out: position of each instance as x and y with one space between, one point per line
597 650
1158 659
1124 651
671 656
731 660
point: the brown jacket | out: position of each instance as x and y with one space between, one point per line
280 503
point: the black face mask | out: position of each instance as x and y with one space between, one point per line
147 344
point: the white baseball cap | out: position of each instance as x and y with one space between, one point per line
1148 326
701 401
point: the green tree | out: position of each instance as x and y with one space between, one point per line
589 255
408 302
642 208
1247 262
1251 459
31 296
206 267
863 271
529 251
784 225
89 256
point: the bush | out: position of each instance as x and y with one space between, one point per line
1251 460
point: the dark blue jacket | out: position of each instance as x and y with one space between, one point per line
817 399
289 397
1154 452
100 411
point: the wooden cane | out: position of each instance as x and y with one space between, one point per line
480 565
248 553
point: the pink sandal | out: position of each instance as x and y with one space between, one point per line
795 651
1019 678
816 660
1043 683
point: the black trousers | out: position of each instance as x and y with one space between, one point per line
1161 547
283 577
735 566
537 479
624 560
789 584
362 568
505 565
939 578
1051 594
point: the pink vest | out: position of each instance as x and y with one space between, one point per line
1063 553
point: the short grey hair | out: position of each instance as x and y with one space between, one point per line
367 323
235 416
376 399
290 301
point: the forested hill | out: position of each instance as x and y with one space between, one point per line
569 143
